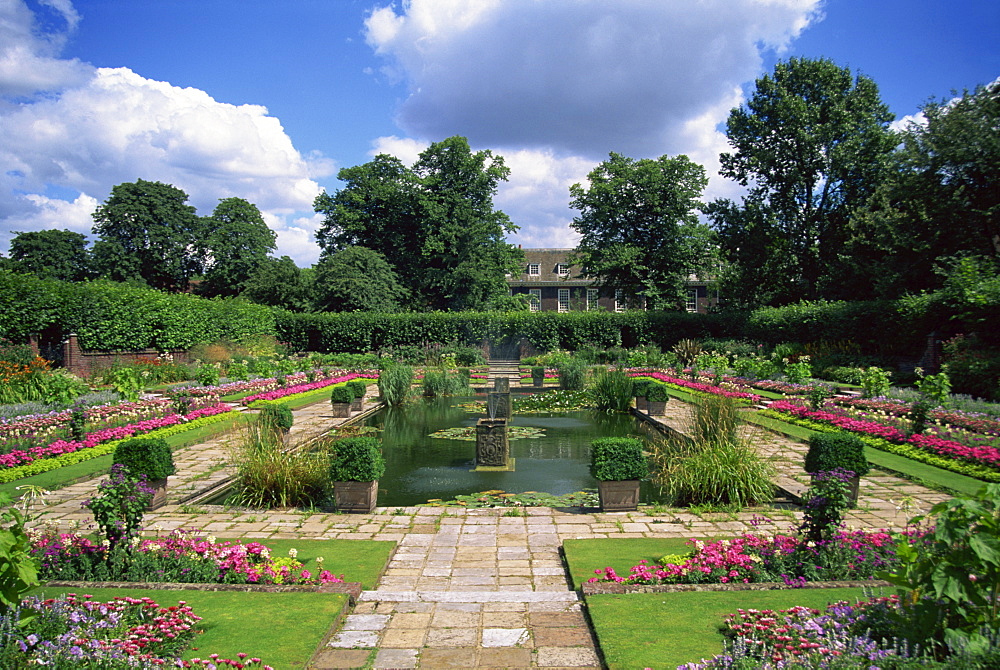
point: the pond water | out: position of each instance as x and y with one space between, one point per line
420 468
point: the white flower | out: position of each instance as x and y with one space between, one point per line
319 560
210 539
293 552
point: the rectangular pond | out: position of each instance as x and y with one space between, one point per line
426 457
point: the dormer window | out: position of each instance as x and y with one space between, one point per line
562 269
534 269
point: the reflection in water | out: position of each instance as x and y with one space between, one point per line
419 468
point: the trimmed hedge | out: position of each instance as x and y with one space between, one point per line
617 459
108 316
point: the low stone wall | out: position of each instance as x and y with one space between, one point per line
596 588
352 589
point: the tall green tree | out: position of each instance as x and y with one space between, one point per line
237 241
147 231
356 279
941 201
279 282
639 226
811 145
433 223
54 254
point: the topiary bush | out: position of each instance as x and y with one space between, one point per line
357 459
341 394
828 451
538 375
358 387
618 459
657 392
148 456
276 415
640 387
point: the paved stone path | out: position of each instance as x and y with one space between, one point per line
476 588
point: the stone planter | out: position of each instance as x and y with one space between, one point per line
619 496
538 383
656 407
356 404
159 487
355 497
341 410
641 404
853 486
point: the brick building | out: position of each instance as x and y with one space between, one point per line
554 286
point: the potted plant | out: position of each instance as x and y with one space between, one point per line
341 398
150 457
355 467
359 387
656 399
639 388
538 375
828 451
618 464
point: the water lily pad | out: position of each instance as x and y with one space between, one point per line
468 433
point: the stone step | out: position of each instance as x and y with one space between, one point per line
469 596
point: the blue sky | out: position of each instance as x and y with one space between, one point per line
267 99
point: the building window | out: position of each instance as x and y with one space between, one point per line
534 269
535 299
691 300
562 269
564 300
620 303
592 297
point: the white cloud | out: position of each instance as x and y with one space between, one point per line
583 77
89 129
405 149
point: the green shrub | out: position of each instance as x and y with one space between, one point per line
342 393
618 459
394 383
275 415
836 450
657 392
640 386
613 389
148 456
572 374
538 375
875 382
358 387
356 459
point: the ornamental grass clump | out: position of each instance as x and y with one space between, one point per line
442 382
394 383
717 465
269 475
572 374
612 390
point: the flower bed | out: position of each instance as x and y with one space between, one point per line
123 632
988 456
752 558
178 557
700 387
44 465
305 388
972 422
60 447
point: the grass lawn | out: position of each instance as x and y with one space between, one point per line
664 630
358 560
282 629
585 556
